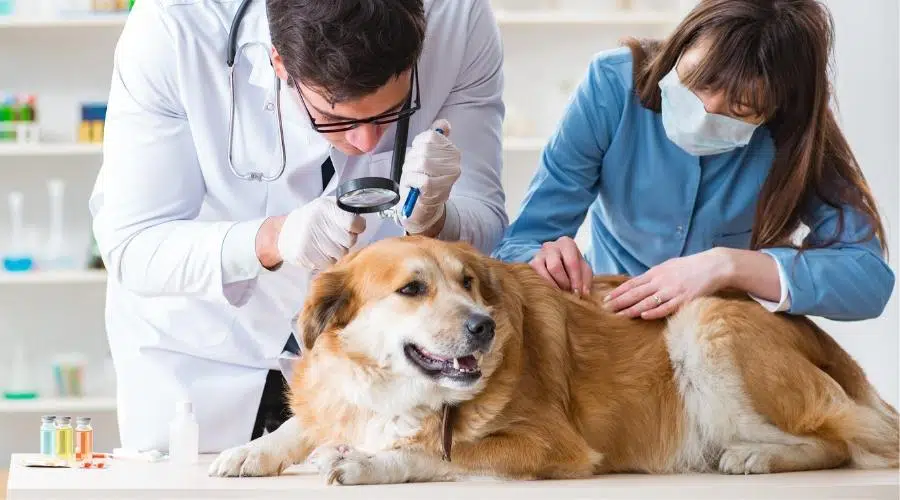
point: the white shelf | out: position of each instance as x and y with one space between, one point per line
50 149
86 21
503 16
58 405
52 277
549 16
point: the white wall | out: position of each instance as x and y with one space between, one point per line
867 82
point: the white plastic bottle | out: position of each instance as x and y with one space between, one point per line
184 435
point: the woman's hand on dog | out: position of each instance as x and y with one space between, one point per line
661 290
560 262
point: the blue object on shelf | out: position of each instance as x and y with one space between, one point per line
7 7
93 111
17 263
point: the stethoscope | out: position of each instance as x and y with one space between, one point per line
363 195
232 54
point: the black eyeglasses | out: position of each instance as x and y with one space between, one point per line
405 111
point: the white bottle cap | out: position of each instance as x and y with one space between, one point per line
184 407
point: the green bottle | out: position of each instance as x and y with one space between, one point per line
7 132
26 109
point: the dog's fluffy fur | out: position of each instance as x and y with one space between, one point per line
566 389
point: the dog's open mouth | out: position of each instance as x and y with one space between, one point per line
465 368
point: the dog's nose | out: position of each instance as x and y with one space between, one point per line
480 328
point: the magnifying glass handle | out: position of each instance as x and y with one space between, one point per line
413 195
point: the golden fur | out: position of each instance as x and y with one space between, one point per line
568 390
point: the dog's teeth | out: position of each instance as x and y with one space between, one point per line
456 363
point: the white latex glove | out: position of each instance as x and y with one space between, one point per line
433 166
319 233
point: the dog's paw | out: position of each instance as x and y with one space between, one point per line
343 465
249 460
745 459
325 457
357 468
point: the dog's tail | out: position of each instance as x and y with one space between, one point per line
871 434
867 423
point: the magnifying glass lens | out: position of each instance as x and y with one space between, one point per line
368 197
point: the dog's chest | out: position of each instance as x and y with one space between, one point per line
380 432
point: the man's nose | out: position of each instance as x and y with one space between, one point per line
365 137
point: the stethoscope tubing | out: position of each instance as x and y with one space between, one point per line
230 59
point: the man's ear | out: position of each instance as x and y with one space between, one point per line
330 304
278 65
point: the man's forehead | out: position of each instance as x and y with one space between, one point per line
388 98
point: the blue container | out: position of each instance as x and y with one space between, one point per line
93 111
17 263
48 435
7 7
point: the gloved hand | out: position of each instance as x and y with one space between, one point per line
432 165
319 233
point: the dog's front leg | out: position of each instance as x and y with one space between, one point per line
347 466
267 455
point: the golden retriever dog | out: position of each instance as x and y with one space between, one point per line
428 361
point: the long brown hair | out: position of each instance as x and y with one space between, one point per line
772 55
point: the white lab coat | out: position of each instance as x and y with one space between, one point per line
165 200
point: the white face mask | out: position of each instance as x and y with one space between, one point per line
688 124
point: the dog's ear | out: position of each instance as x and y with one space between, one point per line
330 304
487 271
491 287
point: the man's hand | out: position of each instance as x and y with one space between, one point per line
661 290
432 166
561 263
316 235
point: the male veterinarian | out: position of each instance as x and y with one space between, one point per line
212 219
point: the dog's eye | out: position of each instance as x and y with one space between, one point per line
467 282
413 288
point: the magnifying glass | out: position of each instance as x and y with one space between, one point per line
367 195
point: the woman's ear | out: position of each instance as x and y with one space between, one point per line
330 304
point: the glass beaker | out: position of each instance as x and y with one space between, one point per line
21 385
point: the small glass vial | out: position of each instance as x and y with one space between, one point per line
65 439
84 440
184 436
48 435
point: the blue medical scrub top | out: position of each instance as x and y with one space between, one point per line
650 201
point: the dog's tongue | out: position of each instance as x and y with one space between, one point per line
468 362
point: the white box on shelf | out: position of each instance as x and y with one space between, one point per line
19 133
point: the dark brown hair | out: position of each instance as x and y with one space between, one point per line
772 55
346 49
